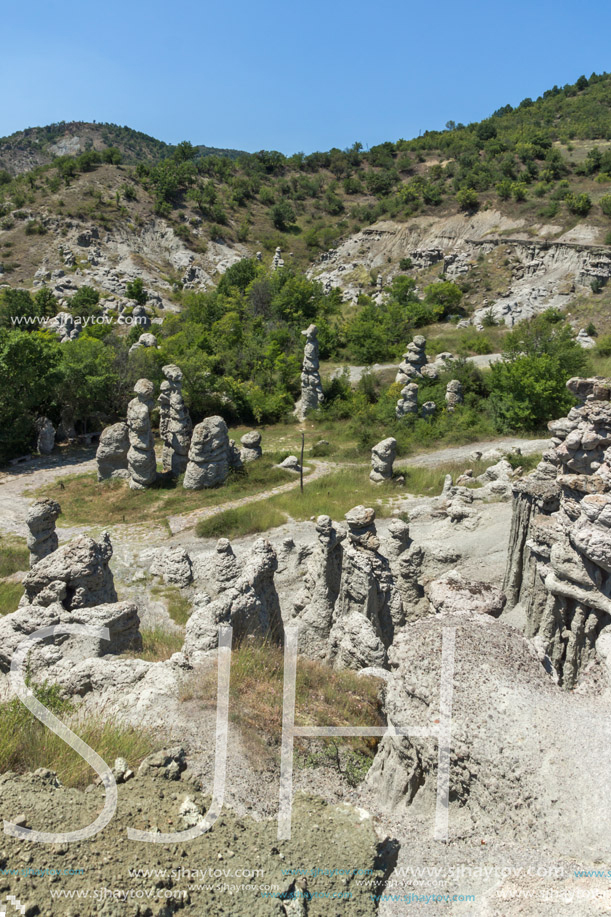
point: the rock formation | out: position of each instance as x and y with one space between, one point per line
451 594
141 459
278 260
406 561
145 340
428 409
42 537
174 566
311 386
45 440
454 394
209 455
559 556
77 575
382 458
250 605
408 402
414 359
175 425
251 446
111 455
351 603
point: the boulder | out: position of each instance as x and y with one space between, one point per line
452 594
454 394
77 575
382 458
251 446
111 455
408 402
208 464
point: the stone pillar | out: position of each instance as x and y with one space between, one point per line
311 386
42 537
141 460
175 425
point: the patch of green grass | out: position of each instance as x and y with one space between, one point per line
158 644
10 595
14 555
242 520
83 499
324 697
179 607
26 744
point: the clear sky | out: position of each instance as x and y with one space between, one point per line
289 76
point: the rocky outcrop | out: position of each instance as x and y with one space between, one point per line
121 619
77 575
250 605
311 386
64 326
45 439
382 458
141 459
452 594
428 409
454 394
208 464
174 566
408 402
414 359
145 340
351 604
111 455
42 537
251 447
175 425
559 558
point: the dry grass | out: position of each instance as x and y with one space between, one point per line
158 644
179 607
14 558
25 744
324 697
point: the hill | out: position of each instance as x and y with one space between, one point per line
36 146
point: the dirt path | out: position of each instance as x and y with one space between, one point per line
355 373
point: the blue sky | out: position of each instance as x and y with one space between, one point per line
289 76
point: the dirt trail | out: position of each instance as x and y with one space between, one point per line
355 373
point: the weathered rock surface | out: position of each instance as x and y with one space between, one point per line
251 446
42 537
111 455
175 425
452 594
382 458
77 575
408 402
45 441
208 455
414 359
141 459
454 394
250 605
311 386
174 566
559 556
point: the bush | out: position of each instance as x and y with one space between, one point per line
405 264
605 204
134 289
282 215
467 199
579 204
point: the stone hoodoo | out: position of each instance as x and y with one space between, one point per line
354 598
454 394
111 456
408 402
175 425
278 260
77 575
559 560
249 603
45 440
382 458
141 459
251 447
428 409
209 455
414 359
311 386
42 537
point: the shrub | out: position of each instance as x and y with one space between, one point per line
467 199
579 204
134 289
282 215
405 264
605 204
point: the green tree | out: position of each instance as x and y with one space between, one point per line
467 199
134 289
282 215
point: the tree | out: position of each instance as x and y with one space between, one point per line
88 378
444 294
467 199
134 289
282 215
84 302
605 204
579 204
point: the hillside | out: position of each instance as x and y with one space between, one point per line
37 146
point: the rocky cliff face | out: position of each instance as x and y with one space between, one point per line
559 561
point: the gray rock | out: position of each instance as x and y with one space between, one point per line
414 360
174 566
452 594
77 575
208 464
291 463
428 409
382 458
251 446
175 427
42 537
111 455
141 459
311 386
45 441
408 402
454 394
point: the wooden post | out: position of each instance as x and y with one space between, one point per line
301 462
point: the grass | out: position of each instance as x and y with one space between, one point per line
14 558
158 644
14 555
324 697
333 495
179 607
25 744
83 499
